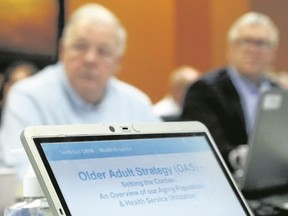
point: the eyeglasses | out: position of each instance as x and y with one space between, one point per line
102 51
249 42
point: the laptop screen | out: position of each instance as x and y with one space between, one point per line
147 174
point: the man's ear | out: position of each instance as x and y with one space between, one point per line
118 63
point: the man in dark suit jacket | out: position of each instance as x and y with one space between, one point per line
225 100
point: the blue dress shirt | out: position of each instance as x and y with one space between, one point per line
249 94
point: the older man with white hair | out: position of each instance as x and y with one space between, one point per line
80 89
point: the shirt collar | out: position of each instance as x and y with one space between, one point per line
241 82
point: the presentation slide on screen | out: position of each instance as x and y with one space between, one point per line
144 177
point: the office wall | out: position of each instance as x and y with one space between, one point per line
162 34
201 30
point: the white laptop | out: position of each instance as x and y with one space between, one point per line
169 168
266 168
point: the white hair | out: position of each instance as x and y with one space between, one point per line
101 14
254 18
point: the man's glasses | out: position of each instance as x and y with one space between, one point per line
249 42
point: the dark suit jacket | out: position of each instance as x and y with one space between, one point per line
214 101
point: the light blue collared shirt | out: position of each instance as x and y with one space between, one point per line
47 98
249 94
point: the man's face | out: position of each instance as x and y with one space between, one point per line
90 56
252 52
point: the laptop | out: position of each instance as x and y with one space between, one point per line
167 168
266 167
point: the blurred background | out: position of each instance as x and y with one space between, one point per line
162 34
